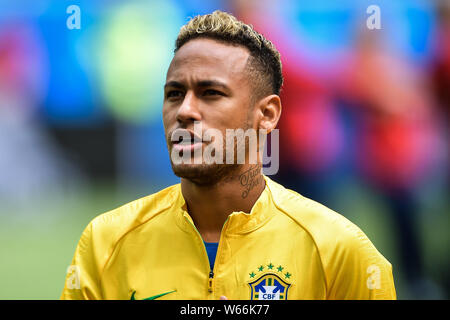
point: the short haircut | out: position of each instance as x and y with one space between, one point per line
264 61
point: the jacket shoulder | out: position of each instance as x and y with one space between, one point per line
312 216
334 235
344 250
112 225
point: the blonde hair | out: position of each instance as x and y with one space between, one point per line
226 28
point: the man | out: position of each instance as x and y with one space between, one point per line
226 231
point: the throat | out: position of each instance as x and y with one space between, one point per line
210 237
210 206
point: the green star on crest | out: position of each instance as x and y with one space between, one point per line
270 266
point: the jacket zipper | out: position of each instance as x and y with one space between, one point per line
211 272
210 281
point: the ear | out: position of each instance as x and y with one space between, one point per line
269 110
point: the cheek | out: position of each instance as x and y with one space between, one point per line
236 119
168 117
234 116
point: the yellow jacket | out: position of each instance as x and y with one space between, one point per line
288 247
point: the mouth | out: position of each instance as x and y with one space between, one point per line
185 140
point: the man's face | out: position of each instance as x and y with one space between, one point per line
207 83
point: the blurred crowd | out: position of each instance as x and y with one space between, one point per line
363 107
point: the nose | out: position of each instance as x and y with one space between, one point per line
188 110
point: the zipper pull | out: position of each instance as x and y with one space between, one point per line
210 282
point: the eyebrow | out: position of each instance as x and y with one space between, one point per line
201 83
174 84
212 83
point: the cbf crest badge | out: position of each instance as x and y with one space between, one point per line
270 283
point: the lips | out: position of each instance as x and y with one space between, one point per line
185 140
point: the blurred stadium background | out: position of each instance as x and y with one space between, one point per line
364 128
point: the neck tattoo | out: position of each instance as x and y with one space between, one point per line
250 179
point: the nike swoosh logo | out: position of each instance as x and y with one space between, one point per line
152 297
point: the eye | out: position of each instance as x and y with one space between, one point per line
212 92
174 94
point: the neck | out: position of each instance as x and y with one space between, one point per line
209 206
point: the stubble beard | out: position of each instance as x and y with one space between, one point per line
214 173
206 174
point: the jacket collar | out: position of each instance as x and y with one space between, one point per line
237 222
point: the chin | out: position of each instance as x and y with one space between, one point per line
203 174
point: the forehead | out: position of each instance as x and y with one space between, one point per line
207 58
